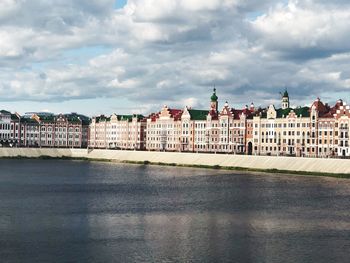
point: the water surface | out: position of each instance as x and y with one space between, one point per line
72 211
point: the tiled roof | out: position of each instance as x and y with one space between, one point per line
336 107
175 113
320 107
237 113
326 115
153 116
248 112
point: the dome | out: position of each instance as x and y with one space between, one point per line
214 97
285 94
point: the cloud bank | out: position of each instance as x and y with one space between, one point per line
153 52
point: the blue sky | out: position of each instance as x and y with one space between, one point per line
120 3
105 56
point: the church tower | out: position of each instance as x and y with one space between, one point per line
214 102
285 100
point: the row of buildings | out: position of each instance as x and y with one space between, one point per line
320 130
43 130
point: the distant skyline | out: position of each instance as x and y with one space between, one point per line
133 56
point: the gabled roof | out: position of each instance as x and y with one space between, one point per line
336 107
319 106
226 110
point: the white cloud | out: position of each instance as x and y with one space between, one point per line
313 31
173 52
8 8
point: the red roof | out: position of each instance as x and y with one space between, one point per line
336 106
320 107
247 111
327 115
175 113
228 110
153 116
237 113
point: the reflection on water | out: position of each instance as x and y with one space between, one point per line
62 211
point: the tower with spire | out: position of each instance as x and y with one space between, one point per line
214 101
285 100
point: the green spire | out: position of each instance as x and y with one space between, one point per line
285 94
214 97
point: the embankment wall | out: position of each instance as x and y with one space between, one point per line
338 166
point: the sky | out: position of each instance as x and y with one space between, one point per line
134 56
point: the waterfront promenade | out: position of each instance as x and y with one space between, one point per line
313 165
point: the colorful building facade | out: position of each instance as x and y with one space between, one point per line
43 130
118 132
315 131
318 130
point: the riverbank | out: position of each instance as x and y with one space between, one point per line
270 164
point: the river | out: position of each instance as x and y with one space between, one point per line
76 211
